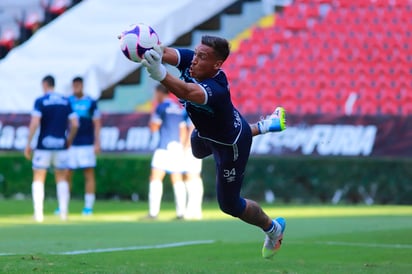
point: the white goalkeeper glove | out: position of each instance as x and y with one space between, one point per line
153 63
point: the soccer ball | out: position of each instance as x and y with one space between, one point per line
136 40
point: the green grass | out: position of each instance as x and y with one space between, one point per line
319 239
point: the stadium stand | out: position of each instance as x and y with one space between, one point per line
312 57
84 41
319 52
19 20
131 95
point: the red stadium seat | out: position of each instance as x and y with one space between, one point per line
406 108
258 34
390 108
290 106
308 107
330 107
312 11
268 106
366 107
248 107
359 46
265 49
405 95
247 62
369 95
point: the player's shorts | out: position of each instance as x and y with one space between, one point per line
82 157
43 159
192 165
231 163
169 159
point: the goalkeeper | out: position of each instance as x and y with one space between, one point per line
220 129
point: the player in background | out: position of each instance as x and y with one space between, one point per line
192 175
220 128
55 117
86 144
168 121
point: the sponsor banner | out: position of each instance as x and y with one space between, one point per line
330 135
327 135
120 133
127 133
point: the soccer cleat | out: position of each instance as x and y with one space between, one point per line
274 122
39 218
273 240
278 118
193 216
63 216
148 217
87 211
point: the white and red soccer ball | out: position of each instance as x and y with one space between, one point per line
136 40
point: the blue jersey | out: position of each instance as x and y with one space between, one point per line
86 109
170 116
216 119
55 111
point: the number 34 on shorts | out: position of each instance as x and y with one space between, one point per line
229 175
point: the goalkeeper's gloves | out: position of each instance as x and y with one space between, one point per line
153 63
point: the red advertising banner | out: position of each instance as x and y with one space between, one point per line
321 135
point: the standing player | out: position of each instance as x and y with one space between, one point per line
168 120
52 113
82 154
192 174
220 129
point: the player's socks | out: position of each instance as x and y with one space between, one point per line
274 122
63 198
37 191
194 199
274 237
199 198
89 199
191 192
87 211
179 189
155 197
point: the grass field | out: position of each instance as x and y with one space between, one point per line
318 239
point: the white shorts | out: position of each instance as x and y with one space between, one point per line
43 159
170 159
192 165
81 157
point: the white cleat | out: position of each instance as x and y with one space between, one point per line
39 218
273 240
275 122
63 216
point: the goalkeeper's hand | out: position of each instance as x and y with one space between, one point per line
153 63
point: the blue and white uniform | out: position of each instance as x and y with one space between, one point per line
55 112
221 131
81 153
191 164
169 153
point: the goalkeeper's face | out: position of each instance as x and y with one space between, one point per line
205 64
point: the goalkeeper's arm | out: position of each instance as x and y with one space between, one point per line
188 91
170 56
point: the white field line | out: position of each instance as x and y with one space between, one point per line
128 248
142 247
374 245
